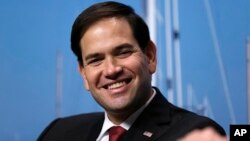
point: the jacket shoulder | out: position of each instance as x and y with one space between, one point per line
60 127
184 121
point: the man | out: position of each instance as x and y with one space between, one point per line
116 60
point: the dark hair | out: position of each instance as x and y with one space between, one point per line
108 9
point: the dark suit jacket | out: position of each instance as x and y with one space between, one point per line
165 121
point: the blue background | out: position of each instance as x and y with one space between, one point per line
33 33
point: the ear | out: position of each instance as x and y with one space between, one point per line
150 52
82 73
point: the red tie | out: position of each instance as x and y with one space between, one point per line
115 133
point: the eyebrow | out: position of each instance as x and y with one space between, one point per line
123 46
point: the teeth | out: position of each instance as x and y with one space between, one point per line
116 85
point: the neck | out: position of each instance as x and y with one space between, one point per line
117 119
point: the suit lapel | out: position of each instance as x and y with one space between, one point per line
94 132
87 132
153 121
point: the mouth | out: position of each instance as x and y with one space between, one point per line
117 84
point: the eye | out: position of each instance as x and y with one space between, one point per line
94 61
125 53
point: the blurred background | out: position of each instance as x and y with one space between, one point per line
202 60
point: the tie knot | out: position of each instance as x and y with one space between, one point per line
115 133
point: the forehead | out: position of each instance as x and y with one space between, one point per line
109 23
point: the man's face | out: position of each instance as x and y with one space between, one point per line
116 71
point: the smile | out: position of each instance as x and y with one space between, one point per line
117 84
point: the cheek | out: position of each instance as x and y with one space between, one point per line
137 66
91 77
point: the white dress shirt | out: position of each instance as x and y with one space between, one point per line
104 136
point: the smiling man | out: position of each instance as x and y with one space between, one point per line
116 61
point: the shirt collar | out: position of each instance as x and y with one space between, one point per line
128 122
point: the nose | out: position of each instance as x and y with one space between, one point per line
112 69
